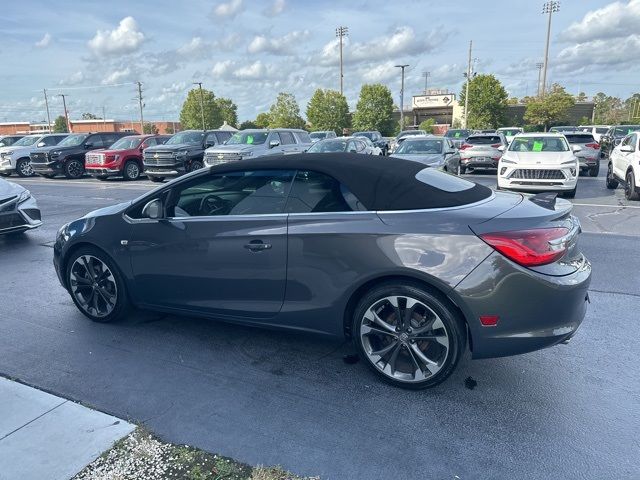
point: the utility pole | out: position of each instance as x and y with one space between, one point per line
402 67
340 33
66 114
140 104
104 119
466 93
549 8
426 76
539 67
201 103
46 102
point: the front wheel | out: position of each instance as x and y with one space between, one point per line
96 286
195 165
73 169
631 192
612 183
409 336
5 174
24 168
594 171
131 170
571 193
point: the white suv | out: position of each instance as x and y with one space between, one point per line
537 162
624 166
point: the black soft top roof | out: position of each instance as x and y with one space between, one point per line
379 182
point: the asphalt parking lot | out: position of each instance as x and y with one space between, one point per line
282 398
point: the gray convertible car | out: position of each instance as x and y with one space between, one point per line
19 211
413 264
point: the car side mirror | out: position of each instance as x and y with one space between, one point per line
88 145
209 144
41 144
274 143
576 149
502 148
626 149
153 209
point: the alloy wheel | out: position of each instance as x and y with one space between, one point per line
132 171
404 338
74 169
25 169
93 285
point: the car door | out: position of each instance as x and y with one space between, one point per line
220 247
619 159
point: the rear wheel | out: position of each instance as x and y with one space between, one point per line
409 336
156 179
96 285
73 169
463 170
196 165
612 183
24 168
630 190
131 170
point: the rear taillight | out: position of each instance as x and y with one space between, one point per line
529 248
496 145
595 146
464 146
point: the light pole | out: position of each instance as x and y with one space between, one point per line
402 67
426 76
466 92
539 67
549 8
140 105
341 32
66 114
201 103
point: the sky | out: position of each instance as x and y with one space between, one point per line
249 50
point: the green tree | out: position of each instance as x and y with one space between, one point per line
285 113
487 102
427 125
262 120
60 125
374 110
191 113
632 106
328 110
89 116
552 108
513 101
169 129
150 128
247 124
581 97
228 110
608 110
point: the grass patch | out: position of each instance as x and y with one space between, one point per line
140 455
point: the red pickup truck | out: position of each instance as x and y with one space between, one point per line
123 158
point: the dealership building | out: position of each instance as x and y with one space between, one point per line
85 126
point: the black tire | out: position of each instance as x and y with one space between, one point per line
452 324
594 171
630 191
121 304
5 174
46 175
155 179
463 170
571 193
611 181
131 170
23 168
73 169
102 178
195 165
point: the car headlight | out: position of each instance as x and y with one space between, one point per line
181 153
24 196
246 154
506 160
63 232
573 172
9 153
116 157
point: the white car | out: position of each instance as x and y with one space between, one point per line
15 158
510 132
539 162
596 130
624 166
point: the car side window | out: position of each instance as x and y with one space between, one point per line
287 138
626 141
223 136
314 192
360 146
149 142
50 141
211 139
236 193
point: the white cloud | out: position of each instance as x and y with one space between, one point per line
229 9
73 79
117 76
44 41
276 8
615 20
197 46
232 70
222 69
380 73
126 38
254 71
621 52
277 46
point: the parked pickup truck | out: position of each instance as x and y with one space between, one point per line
16 157
123 158
257 143
67 157
181 154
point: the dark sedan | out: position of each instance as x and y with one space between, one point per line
19 211
436 152
414 265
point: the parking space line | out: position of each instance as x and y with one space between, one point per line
604 206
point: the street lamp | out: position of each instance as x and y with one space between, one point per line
341 32
402 67
549 8
201 103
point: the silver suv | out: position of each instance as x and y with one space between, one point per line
257 143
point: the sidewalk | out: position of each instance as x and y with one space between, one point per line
47 437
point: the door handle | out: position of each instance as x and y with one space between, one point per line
257 246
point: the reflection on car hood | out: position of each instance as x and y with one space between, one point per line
108 210
172 148
420 157
538 158
9 189
234 148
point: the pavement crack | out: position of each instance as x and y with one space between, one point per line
615 292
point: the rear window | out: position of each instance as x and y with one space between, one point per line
457 133
484 140
602 130
444 181
303 137
572 138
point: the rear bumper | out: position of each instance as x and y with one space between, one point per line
479 162
588 162
535 310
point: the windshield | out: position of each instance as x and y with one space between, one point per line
411 132
319 135
579 138
626 130
72 141
26 141
248 138
539 144
369 135
188 137
327 146
126 143
420 147
457 133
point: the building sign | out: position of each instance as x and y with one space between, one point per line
427 101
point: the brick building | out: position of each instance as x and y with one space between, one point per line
80 126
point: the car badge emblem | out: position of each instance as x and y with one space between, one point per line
155 155
220 156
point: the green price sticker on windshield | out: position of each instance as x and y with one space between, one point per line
457 134
537 146
249 139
